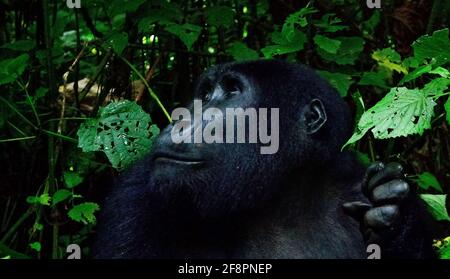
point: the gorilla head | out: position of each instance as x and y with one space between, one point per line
220 178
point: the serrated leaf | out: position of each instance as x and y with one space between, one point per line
43 199
436 206
241 52
118 42
60 195
348 52
21 45
436 46
436 87
374 78
389 59
123 131
36 246
220 16
427 180
327 44
188 33
72 179
339 81
401 112
84 213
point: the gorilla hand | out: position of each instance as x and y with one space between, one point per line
386 190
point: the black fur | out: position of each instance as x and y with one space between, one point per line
241 204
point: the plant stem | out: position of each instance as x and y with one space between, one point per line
16 225
14 254
33 107
17 139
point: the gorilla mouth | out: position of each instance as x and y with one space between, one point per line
177 159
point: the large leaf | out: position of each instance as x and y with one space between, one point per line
436 206
401 112
84 213
436 46
348 52
327 44
241 52
188 33
220 16
123 131
339 81
297 18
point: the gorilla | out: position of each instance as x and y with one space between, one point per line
227 200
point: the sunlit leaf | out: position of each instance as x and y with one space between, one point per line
436 206
436 46
84 213
427 180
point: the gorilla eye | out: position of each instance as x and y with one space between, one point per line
206 91
231 85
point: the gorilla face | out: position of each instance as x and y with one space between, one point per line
223 178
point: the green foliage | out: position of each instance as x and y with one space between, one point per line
11 69
84 213
123 131
241 52
220 16
43 199
188 33
60 195
339 81
427 180
327 44
117 41
436 206
21 45
72 179
447 109
435 47
348 52
36 246
374 79
283 45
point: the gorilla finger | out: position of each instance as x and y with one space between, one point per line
356 209
381 217
391 191
371 171
390 172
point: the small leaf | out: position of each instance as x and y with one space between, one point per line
416 73
72 179
348 52
220 16
118 42
241 52
427 180
36 246
188 33
389 59
297 18
374 78
436 87
60 196
283 46
84 213
339 81
11 69
444 249
329 23
43 199
327 44
436 206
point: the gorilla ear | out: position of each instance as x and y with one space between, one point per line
315 116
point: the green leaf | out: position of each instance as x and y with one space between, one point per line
436 46
241 52
401 112
21 45
390 59
348 52
416 73
124 6
36 246
436 87
43 199
84 213
283 46
329 23
447 109
297 18
374 78
72 179
444 249
188 33
123 131
60 196
327 44
118 42
339 81
11 69
436 206
370 25
220 16
427 180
